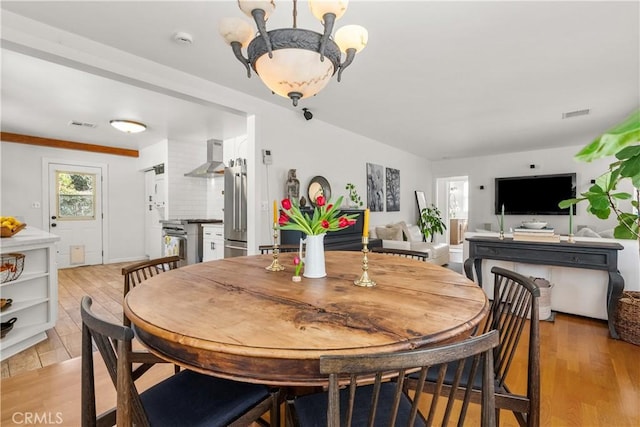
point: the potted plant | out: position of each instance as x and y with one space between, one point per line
623 142
353 195
430 222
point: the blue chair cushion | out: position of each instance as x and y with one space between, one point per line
312 409
432 375
192 399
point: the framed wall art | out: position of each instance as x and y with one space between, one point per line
393 189
375 187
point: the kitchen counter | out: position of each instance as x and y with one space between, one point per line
27 237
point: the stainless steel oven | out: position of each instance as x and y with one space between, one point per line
175 241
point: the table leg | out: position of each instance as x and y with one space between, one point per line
469 265
614 292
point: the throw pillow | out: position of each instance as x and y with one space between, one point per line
405 230
606 234
586 232
389 233
414 234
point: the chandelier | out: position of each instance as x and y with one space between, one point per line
294 63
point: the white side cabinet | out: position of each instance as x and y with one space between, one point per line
212 242
34 294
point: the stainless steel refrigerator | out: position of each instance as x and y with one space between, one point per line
235 208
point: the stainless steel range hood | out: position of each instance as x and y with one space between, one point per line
214 165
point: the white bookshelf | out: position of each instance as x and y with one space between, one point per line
34 293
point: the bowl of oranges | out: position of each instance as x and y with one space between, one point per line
10 226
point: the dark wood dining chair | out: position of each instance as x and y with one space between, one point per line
186 399
137 273
514 297
134 274
405 253
370 398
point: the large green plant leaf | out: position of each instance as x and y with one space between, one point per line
614 140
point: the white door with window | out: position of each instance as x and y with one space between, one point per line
75 213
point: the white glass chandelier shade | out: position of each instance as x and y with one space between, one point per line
248 6
236 30
352 37
294 71
321 7
128 126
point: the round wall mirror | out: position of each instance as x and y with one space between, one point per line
318 186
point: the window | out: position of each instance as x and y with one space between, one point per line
76 196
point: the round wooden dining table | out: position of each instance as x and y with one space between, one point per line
234 319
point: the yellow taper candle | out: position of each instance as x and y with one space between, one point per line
365 224
275 211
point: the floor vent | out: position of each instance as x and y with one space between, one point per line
576 113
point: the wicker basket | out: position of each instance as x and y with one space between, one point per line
11 266
628 317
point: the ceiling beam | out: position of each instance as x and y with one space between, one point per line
68 145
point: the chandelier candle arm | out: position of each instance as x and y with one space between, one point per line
329 20
237 51
259 16
351 54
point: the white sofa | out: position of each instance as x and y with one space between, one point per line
574 290
409 237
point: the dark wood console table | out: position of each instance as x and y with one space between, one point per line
590 255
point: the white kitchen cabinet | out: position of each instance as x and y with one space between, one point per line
212 242
34 293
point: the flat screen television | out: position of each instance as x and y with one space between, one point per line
534 195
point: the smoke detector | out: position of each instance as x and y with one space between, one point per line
183 38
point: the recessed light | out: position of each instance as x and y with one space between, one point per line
128 126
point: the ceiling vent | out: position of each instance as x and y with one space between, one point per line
576 113
82 124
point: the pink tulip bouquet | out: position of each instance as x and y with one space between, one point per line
326 217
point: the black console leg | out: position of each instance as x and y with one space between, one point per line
614 292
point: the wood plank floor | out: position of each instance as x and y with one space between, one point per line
587 379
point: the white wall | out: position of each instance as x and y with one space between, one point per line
484 170
316 148
21 179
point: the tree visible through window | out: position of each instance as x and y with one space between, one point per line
76 195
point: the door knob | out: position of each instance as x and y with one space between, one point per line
53 224
54 217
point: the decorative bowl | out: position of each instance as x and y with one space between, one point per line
5 303
7 326
11 266
534 224
11 231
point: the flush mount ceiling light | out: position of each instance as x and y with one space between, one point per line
128 126
294 63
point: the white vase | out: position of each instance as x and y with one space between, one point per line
314 257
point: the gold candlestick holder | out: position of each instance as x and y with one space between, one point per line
365 280
275 264
571 239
